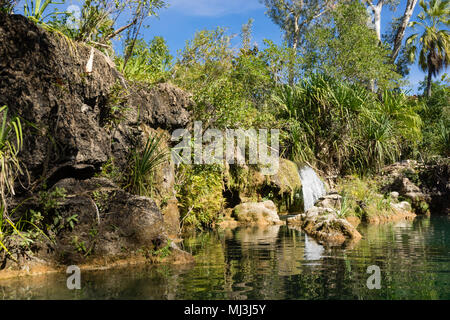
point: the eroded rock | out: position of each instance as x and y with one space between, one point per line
247 183
73 123
425 185
110 223
324 225
258 213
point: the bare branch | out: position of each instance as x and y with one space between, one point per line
121 29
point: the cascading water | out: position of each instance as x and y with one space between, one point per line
313 188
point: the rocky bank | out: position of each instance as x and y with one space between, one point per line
75 125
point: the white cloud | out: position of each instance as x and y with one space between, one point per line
213 8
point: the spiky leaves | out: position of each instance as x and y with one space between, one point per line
10 143
432 46
143 164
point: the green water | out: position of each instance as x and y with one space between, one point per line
275 263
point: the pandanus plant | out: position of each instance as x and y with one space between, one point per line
35 10
143 165
10 145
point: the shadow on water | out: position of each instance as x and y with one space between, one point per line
275 263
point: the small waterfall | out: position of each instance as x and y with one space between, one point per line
313 188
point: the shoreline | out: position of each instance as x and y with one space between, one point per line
176 258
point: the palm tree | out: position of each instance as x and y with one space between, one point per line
433 44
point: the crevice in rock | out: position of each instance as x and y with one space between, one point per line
231 197
79 172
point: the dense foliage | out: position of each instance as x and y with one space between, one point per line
331 87
346 49
344 127
436 118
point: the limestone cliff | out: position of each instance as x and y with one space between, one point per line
75 123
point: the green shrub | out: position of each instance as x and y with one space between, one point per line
10 144
143 164
199 192
340 126
150 63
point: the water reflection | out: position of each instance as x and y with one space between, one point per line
313 250
275 263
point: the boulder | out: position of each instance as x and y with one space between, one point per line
332 200
425 185
286 180
404 205
258 213
110 223
324 225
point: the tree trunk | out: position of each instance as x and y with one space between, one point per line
294 49
428 91
377 18
376 11
410 5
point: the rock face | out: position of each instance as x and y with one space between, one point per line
43 80
110 222
404 205
248 184
75 123
258 213
425 185
324 225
